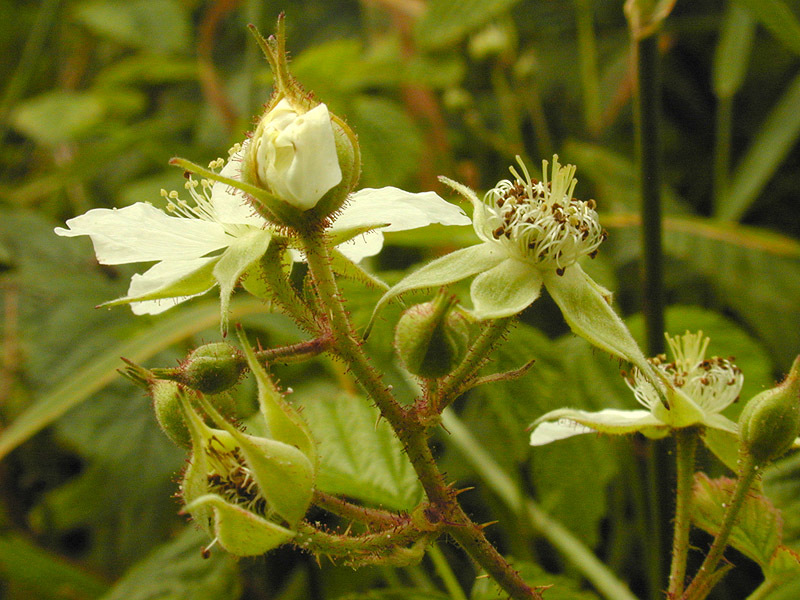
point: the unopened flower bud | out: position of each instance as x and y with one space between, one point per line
302 155
431 339
210 369
770 423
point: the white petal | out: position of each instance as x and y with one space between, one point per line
398 209
159 276
296 154
610 420
559 430
141 232
229 203
366 244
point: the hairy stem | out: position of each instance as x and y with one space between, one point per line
459 380
686 446
699 587
371 517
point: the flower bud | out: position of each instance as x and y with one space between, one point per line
431 339
770 423
293 154
305 158
210 369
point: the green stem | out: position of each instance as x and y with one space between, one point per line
459 380
722 149
559 536
410 432
699 587
446 573
685 450
372 517
648 111
590 84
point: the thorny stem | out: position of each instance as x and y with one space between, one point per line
685 446
699 587
460 380
371 517
444 508
295 353
365 548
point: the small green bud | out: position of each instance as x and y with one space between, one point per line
770 423
210 369
431 339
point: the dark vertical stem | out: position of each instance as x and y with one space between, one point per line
649 148
659 467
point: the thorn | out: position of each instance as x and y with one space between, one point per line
487 524
462 490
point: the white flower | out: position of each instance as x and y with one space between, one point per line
294 154
699 390
532 234
214 238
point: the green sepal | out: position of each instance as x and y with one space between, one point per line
587 310
238 530
197 282
243 252
450 268
350 270
284 475
340 236
283 420
505 290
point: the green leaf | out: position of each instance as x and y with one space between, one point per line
44 574
784 565
505 289
177 570
102 370
154 25
778 18
782 485
757 531
58 116
733 51
447 21
360 457
769 148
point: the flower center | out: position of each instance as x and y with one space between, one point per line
202 205
541 222
712 383
230 478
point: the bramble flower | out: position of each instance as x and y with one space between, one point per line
214 238
700 390
533 233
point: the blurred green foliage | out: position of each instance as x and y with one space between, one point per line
97 95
